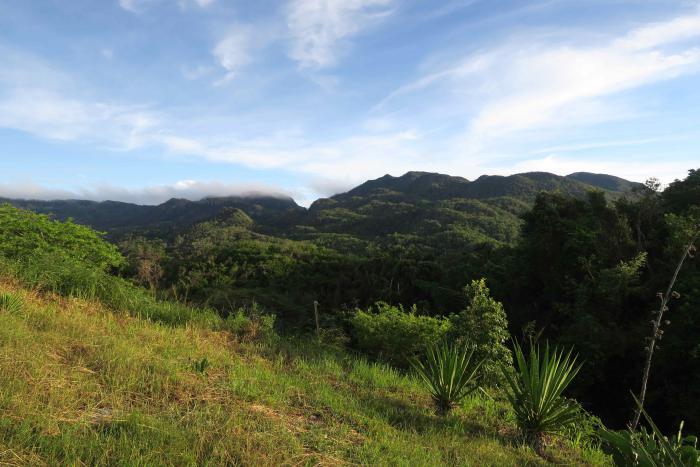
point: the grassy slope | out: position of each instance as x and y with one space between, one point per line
82 385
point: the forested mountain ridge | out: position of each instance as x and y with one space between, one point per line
118 218
411 203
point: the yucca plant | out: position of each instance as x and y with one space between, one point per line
11 303
535 390
449 373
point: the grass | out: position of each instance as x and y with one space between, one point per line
82 384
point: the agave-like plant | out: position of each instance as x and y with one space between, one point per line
651 448
10 303
449 373
535 390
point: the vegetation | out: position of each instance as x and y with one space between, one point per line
535 393
238 286
396 335
484 325
651 448
449 373
87 381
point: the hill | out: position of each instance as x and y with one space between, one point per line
444 208
96 371
118 218
486 209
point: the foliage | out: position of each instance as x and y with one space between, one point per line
651 448
396 335
81 386
483 324
24 234
535 393
251 323
11 303
449 372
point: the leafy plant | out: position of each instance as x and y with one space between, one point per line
651 448
483 324
11 303
449 373
251 323
394 334
535 393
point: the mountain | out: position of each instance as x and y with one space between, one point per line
116 218
448 209
604 182
416 203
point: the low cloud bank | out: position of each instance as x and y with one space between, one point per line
188 189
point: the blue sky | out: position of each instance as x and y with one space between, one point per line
142 100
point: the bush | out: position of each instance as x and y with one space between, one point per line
483 325
450 374
24 234
395 335
251 323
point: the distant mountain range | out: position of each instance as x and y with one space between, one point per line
415 203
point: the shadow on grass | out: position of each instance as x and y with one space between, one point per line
404 416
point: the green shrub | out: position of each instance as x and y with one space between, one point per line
535 393
251 323
395 335
450 374
24 234
483 324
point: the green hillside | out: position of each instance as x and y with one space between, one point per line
97 372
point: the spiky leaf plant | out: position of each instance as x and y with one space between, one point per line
651 448
535 390
449 373
10 303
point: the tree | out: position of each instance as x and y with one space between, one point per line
484 325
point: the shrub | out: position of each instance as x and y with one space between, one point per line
24 234
251 323
395 335
449 372
483 324
535 393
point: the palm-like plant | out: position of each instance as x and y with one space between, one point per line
535 392
449 373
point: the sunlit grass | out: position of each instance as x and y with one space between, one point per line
80 384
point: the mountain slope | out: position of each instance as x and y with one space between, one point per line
447 208
117 217
84 386
416 203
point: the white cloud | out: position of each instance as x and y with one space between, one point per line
187 189
319 28
51 115
526 83
233 51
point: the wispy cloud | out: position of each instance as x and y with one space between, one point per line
233 52
526 83
320 28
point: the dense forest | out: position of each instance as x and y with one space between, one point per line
576 261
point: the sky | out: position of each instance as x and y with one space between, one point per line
144 100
